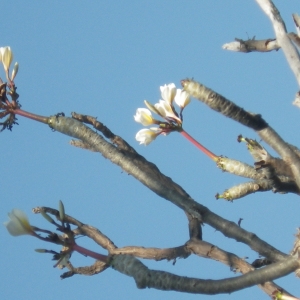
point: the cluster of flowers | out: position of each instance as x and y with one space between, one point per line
6 57
19 225
165 109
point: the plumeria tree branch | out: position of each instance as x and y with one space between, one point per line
283 39
287 46
96 268
19 225
207 250
148 174
126 254
229 109
252 45
146 278
280 175
121 153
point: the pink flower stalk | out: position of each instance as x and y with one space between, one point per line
87 252
199 146
32 116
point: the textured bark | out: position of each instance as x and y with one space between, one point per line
122 260
148 174
289 50
254 121
169 282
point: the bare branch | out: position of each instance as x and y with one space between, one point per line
255 121
238 168
194 245
153 253
94 269
207 250
148 174
145 277
252 45
287 46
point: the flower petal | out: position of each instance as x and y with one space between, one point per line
7 57
146 136
182 98
168 92
18 223
151 107
165 110
144 116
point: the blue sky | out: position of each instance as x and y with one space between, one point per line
104 58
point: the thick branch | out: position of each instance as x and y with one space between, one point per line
229 109
154 253
194 245
169 282
207 250
150 176
287 46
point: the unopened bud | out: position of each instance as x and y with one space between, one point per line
61 211
6 57
14 71
47 217
41 250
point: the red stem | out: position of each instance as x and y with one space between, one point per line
199 146
90 253
31 116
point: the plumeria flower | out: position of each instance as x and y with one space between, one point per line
166 111
146 136
144 116
151 107
168 92
182 98
6 57
18 223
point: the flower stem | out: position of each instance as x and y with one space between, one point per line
199 146
84 251
31 116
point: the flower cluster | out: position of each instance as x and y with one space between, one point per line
19 225
165 109
9 104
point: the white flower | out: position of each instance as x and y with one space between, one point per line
146 136
182 98
18 223
165 110
6 57
168 92
144 116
